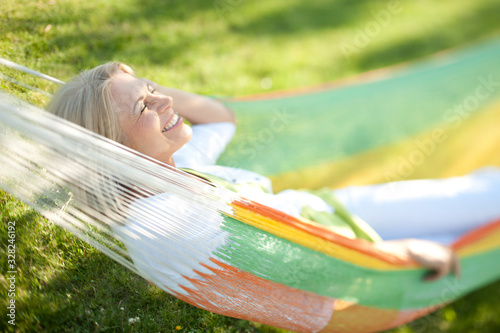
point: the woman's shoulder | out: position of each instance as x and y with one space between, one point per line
206 145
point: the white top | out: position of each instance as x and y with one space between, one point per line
201 153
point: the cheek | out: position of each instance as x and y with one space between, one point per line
129 141
125 136
136 136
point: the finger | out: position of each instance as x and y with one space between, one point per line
457 270
431 276
438 273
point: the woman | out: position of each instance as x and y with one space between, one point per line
111 101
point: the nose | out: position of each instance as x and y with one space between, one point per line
161 103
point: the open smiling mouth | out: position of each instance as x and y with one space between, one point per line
173 123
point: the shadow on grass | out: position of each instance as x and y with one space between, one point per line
90 43
116 36
303 17
486 24
307 17
162 11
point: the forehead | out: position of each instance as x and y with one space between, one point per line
126 89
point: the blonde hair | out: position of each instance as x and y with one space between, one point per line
86 101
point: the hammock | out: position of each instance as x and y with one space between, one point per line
238 258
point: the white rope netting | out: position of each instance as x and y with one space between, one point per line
102 192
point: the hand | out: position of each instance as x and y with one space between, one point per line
439 258
197 109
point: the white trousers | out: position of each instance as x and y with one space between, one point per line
440 210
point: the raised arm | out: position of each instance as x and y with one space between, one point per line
195 108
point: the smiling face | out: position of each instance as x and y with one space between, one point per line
148 120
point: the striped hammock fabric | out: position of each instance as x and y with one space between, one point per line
223 253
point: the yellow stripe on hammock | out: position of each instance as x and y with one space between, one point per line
487 243
313 242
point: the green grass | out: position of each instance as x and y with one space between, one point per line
216 47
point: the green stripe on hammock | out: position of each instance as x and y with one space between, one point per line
288 133
279 260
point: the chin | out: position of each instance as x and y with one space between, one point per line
188 132
182 137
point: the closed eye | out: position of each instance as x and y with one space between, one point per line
151 91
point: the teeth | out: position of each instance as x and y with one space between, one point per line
171 123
